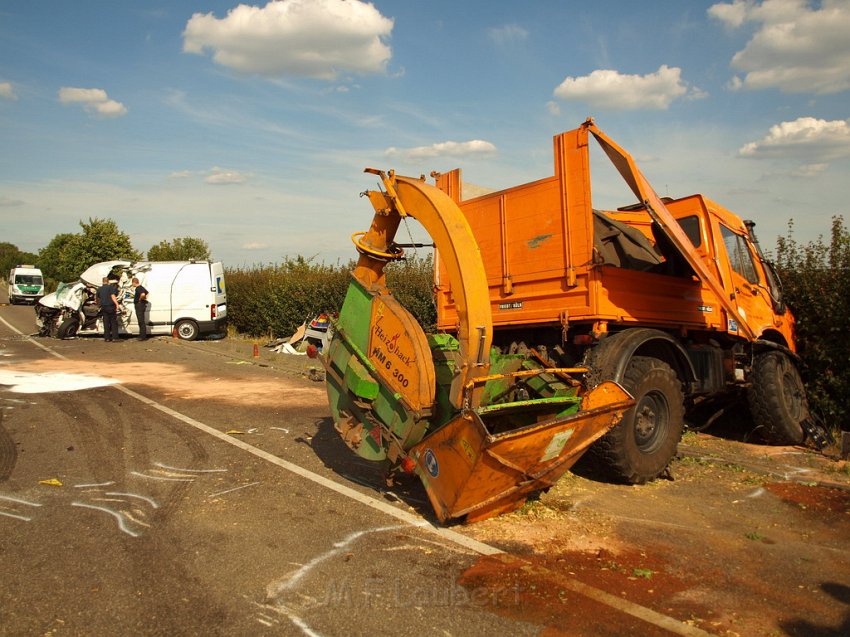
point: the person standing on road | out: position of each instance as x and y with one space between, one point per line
107 296
140 302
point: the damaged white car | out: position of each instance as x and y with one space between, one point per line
186 298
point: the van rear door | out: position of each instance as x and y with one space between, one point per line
219 291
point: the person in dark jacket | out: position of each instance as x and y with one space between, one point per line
140 302
107 296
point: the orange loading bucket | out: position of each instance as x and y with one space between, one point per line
467 471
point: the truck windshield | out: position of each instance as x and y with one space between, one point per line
28 279
739 254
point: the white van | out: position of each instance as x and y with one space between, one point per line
26 284
184 297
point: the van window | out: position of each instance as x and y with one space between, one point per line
28 279
739 254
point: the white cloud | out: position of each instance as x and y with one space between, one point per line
810 170
310 38
605 88
794 48
443 149
222 177
94 100
7 92
8 202
508 34
254 245
815 140
553 107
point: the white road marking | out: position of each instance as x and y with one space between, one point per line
165 466
150 501
144 475
19 501
646 614
244 486
121 522
17 517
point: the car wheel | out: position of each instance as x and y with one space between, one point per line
187 330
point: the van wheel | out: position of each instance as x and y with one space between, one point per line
777 399
187 330
643 444
68 328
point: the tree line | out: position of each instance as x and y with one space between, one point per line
69 254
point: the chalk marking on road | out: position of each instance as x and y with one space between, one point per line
19 501
144 475
122 524
150 501
277 588
244 486
165 466
94 484
127 515
646 614
17 517
287 583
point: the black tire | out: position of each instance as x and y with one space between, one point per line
187 330
68 328
777 399
639 448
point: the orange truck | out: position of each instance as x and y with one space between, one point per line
562 329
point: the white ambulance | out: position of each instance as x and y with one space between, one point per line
26 284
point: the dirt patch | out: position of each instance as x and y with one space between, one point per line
179 381
824 502
720 546
581 593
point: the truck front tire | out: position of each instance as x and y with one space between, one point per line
777 399
639 448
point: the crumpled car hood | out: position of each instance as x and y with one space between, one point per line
66 295
94 275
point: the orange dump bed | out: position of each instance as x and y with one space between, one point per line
537 243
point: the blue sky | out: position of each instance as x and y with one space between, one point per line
249 125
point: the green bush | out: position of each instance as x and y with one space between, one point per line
273 300
816 280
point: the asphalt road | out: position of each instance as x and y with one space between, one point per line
170 488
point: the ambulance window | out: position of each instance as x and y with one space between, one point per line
691 227
739 255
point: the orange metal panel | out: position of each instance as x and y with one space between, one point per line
468 471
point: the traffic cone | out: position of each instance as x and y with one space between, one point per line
174 332
256 351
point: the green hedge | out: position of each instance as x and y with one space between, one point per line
273 300
816 280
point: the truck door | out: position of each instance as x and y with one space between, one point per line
748 290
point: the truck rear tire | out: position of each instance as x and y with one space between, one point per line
68 328
639 448
777 399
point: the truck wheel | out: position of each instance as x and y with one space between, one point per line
187 330
778 399
68 328
643 444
